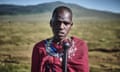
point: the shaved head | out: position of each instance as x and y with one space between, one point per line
63 9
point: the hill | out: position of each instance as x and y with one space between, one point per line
78 11
23 26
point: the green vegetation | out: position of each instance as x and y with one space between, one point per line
79 11
19 33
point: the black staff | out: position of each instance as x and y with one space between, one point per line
66 45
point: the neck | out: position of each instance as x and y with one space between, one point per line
58 41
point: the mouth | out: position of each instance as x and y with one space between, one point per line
60 33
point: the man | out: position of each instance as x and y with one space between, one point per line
48 54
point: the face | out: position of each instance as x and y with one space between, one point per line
61 24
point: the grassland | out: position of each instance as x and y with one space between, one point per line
19 33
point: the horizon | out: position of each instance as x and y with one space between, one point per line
102 5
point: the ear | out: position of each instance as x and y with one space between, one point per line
51 23
72 24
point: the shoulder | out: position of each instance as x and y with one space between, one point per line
39 47
81 45
39 44
78 40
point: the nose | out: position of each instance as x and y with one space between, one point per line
62 25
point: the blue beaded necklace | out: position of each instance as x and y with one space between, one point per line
51 50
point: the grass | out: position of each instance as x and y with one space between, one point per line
8 67
18 34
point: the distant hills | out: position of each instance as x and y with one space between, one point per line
79 11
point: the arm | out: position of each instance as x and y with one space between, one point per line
85 58
35 60
79 62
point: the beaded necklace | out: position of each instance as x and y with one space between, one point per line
52 51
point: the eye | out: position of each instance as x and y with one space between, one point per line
66 23
58 22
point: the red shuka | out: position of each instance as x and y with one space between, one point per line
76 63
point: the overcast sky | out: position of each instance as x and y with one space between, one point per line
106 5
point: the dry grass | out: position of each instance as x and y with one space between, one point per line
18 34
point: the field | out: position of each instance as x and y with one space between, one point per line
19 33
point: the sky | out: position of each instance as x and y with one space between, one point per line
104 5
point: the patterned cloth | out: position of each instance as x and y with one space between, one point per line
47 56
